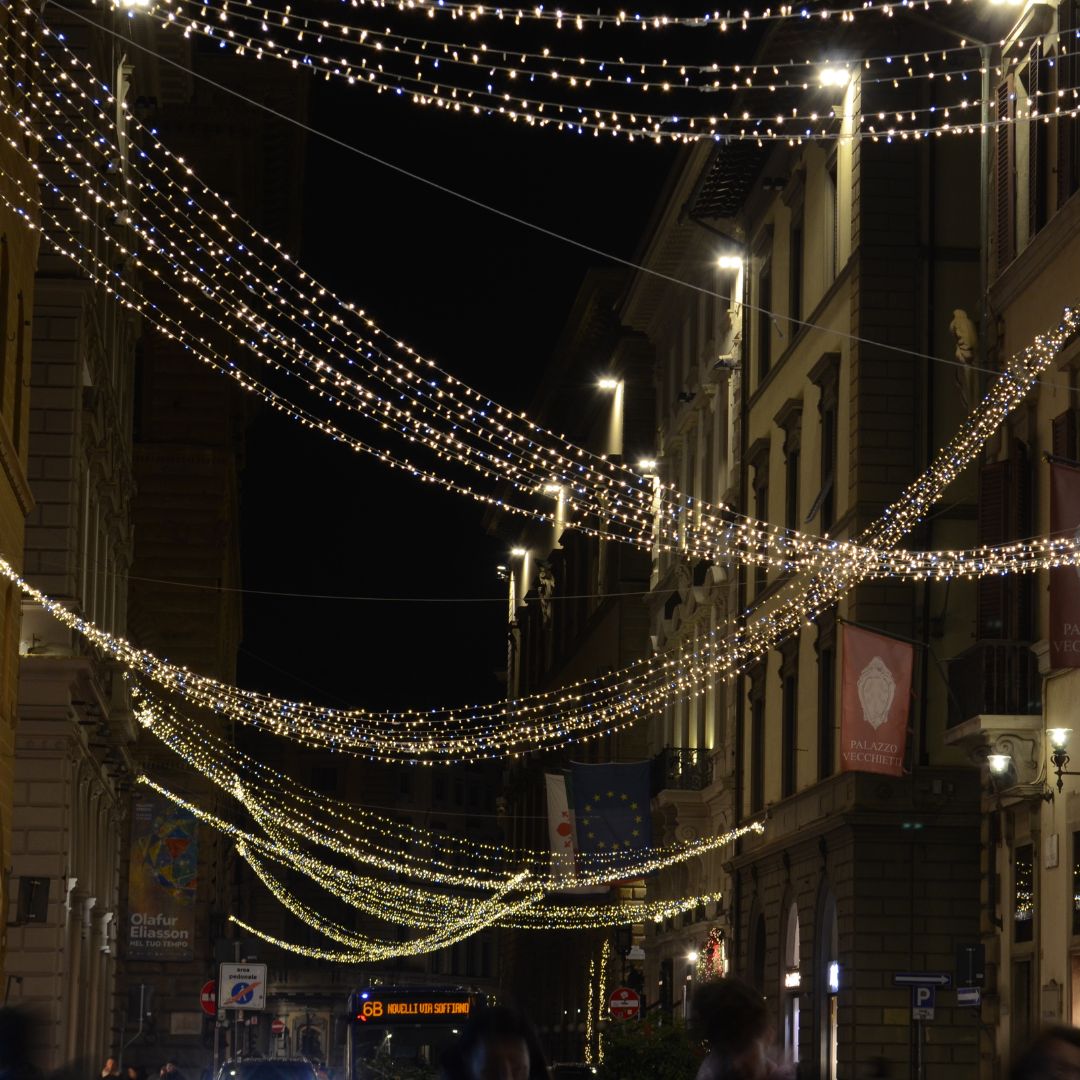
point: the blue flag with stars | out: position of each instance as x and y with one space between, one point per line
611 805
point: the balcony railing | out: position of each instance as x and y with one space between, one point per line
676 769
994 677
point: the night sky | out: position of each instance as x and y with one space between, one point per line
487 299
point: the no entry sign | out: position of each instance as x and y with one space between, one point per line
208 998
624 1004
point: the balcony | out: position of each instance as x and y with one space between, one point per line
676 769
994 678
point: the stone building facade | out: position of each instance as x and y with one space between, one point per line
1011 691
74 737
18 259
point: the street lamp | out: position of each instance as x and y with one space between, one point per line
608 382
834 76
1059 740
729 262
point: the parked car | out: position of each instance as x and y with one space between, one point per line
268 1069
566 1070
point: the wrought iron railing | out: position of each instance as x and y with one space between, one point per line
994 677
678 769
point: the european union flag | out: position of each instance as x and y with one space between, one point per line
611 805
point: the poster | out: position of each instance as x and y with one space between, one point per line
874 703
162 882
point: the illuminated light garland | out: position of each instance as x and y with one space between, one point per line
713 21
689 682
365 948
294 814
683 126
756 546
787 561
580 72
359 889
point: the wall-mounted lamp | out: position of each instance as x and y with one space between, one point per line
1059 740
608 382
647 465
519 552
999 763
729 262
692 957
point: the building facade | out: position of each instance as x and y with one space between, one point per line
74 737
1015 714
18 260
576 609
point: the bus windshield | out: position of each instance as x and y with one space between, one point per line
404 1025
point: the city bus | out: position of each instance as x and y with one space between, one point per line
404 1025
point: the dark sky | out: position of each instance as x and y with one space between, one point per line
487 299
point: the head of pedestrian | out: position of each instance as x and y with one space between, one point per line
498 1043
731 1019
1054 1055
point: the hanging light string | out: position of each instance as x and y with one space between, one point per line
1021 556
591 706
788 125
291 814
362 890
579 20
675 531
307 34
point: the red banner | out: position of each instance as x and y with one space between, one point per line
1065 580
875 697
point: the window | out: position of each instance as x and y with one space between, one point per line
825 375
763 302
1024 893
789 419
789 750
790 981
832 223
759 460
757 973
1068 127
1004 604
1005 175
826 696
795 258
757 740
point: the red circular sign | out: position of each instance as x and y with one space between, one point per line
208 998
277 1027
624 1003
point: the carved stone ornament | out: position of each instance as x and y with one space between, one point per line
877 688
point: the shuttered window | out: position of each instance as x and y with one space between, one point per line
1036 145
1005 175
1068 70
1004 602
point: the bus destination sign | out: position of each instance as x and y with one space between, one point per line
413 1007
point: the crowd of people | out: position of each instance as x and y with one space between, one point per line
729 1017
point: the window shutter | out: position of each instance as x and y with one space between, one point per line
1005 170
1064 435
992 527
1066 71
1018 587
1036 147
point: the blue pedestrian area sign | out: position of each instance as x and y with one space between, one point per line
242 986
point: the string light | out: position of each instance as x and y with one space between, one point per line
713 21
778 549
689 682
787 124
680 675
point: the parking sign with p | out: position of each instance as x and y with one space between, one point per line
922 1002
